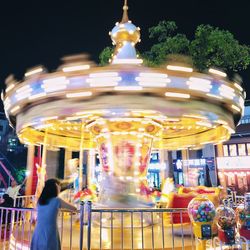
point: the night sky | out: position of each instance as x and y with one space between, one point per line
41 32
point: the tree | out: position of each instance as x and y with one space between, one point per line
163 30
177 44
214 47
210 47
105 55
169 42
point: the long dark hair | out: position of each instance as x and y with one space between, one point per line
50 190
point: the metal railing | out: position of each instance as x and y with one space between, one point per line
105 228
15 232
17 226
146 228
102 228
24 201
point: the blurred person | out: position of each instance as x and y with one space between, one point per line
7 201
13 190
46 236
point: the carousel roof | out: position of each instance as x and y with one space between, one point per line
187 108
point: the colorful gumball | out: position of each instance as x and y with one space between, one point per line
201 209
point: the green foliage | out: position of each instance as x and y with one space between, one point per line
183 59
20 175
211 47
163 30
214 47
178 44
105 55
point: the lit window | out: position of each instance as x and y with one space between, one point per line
233 150
248 148
242 149
225 150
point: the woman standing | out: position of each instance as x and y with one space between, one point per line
46 236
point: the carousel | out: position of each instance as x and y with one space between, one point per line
122 110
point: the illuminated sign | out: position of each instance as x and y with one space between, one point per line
194 162
191 163
156 166
233 163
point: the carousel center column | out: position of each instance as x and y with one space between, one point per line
124 147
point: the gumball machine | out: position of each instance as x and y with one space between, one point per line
226 222
243 217
201 212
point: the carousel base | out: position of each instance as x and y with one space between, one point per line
122 239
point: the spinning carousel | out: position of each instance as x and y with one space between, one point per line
123 110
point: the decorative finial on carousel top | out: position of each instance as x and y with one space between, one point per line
125 35
125 12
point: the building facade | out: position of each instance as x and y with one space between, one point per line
227 164
233 158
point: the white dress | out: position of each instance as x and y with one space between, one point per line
46 236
